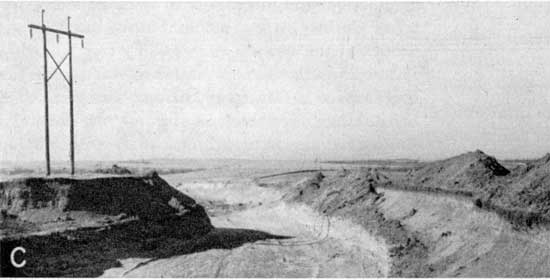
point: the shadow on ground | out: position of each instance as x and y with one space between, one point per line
89 252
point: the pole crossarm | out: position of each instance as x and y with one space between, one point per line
56 31
58 66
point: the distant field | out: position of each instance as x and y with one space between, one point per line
375 162
394 165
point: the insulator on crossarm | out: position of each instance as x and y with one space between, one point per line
82 43
57 38
30 32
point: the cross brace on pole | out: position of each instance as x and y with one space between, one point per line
58 66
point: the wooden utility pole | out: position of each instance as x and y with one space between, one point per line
69 80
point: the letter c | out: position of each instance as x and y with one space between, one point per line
12 257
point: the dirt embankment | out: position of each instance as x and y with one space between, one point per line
352 195
428 234
319 247
149 198
521 196
72 227
465 173
441 235
465 241
113 226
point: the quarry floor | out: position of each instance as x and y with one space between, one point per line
462 240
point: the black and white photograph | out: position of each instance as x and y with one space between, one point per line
275 139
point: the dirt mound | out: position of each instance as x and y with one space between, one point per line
149 198
352 184
353 194
306 189
532 190
524 198
167 224
355 187
470 171
80 227
115 169
345 187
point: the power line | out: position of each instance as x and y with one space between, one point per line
68 79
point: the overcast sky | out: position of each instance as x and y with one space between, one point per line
281 80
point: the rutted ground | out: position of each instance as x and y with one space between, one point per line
320 247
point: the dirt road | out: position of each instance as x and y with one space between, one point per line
318 247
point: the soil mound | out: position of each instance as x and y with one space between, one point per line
148 198
162 223
306 189
522 196
353 194
469 171
355 187
532 190
525 197
349 184
80 227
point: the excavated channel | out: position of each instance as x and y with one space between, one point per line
319 247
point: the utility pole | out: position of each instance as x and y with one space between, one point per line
69 80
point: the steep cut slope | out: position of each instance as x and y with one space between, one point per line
347 185
470 171
521 196
532 190
81 227
353 195
149 197
524 197
466 242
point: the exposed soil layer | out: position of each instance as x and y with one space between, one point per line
319 246
352 195
430 234
522 196
465 241
149 198
80 227
470 172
